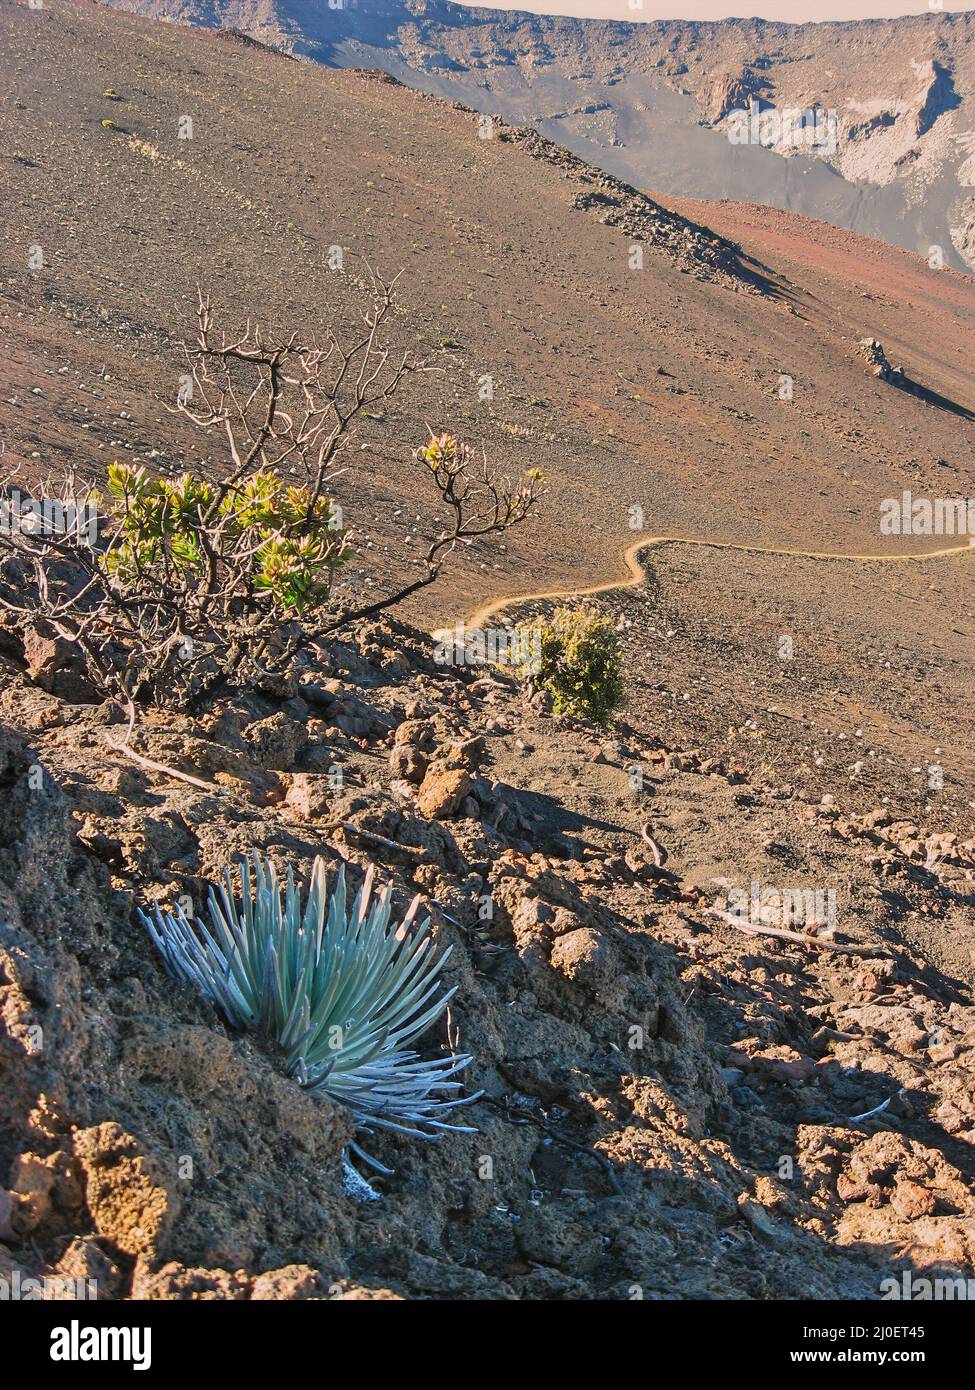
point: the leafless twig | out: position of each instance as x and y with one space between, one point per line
799 938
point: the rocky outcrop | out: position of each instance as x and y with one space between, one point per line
696 250
638 1063
896 91
937 96
727 91
872 352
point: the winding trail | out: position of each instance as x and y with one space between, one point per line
636 573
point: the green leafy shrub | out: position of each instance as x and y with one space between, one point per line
190 583
577 660
183 587
261 536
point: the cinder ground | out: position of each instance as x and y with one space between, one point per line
656 388
653 389
673 1108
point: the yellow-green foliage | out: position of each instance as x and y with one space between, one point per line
278 539
578 661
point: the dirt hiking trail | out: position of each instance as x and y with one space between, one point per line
636 573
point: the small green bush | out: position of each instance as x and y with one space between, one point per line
261 537
577 660
180 587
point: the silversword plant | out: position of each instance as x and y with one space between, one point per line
344 990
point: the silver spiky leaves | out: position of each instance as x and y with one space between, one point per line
342 989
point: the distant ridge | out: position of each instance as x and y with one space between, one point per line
654 102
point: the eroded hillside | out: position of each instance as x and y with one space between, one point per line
571 324
656 102
674 1107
